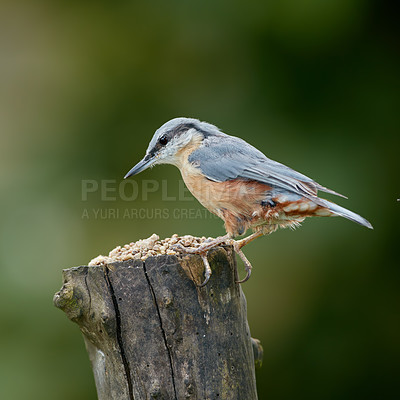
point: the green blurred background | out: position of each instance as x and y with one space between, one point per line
313 84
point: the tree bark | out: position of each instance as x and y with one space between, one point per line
152 333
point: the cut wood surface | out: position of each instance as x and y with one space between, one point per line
152 333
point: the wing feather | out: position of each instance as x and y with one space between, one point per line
225 157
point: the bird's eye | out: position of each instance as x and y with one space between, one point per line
163 140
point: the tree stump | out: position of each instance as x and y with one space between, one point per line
152 333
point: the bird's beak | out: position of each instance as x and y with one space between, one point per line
141 166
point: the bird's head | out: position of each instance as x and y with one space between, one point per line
171 139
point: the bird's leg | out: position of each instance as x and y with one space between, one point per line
250 238
237 246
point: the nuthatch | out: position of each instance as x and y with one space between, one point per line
238 183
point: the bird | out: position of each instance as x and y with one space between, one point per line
238 183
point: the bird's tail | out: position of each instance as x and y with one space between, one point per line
343 212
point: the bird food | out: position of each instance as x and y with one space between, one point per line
151 246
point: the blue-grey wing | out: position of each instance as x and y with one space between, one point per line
225 157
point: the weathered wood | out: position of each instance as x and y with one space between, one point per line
152 333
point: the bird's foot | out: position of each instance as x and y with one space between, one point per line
237 246
202 250
202 254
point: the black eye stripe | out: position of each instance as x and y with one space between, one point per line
175 132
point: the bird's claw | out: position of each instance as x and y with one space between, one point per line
237 246
246 278
202 253
208 271
203 250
